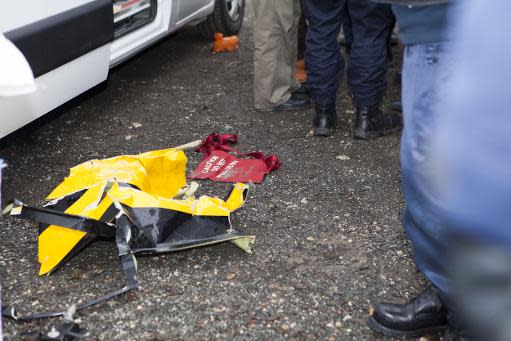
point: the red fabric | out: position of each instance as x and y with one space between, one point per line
218 164
217 141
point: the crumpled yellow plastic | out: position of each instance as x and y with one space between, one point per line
161 173
202 206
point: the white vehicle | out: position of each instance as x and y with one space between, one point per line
70 45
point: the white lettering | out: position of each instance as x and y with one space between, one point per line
209 164
227 169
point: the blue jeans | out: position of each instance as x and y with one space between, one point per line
426 67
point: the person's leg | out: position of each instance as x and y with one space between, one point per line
371 24
275 52
323 56
323 59
291 21
367 65
473 153
425 69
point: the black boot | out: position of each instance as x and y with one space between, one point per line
371 123
324 120
425 314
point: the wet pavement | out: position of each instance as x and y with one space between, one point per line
329 238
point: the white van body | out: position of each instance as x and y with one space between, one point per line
70 63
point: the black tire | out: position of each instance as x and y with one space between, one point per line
223 19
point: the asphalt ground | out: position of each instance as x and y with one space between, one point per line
329 245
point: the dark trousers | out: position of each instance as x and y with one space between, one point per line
370 25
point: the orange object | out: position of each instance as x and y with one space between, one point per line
223 44
301 71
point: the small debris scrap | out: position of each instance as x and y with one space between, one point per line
301 71
67 331
223 44
219 164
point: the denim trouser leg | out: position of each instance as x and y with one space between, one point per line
425 69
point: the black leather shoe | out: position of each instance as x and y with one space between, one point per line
425 314
324 120
396 106
371 123
295 102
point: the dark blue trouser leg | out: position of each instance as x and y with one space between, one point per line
370 26
323 54
367 65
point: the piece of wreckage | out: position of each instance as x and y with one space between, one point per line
140 202
219 164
